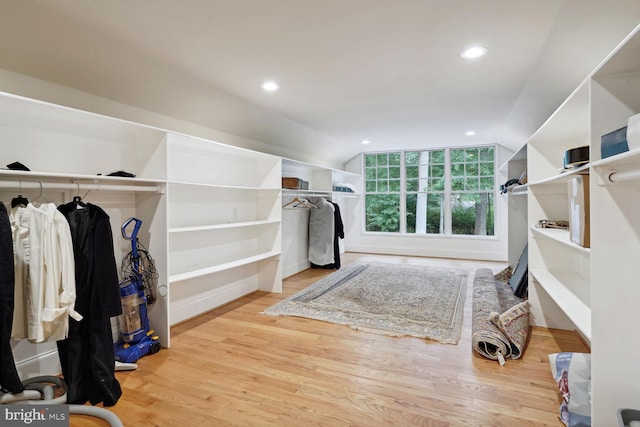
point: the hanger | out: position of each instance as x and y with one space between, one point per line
299 203
77 200
20 200
306 203
292 201
40 196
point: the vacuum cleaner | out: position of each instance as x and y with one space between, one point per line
137 294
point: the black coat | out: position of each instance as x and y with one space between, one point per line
87 355
9 379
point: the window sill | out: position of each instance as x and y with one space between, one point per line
430 236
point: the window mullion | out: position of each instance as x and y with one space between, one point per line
447 192
403 195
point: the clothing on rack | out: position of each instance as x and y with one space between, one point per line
86 356
321 230
338 233
9 378
44 273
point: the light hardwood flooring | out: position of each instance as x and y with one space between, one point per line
236 367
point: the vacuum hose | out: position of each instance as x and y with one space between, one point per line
41 385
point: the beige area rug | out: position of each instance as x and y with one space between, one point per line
389 299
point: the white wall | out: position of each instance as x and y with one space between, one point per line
492 248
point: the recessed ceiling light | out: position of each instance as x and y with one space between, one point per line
270 86
470 133
365 141
474 52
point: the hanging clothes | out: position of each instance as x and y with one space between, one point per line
9 378
87 356
321 230
44 273
338 233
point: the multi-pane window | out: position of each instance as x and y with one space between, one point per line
382 188
445 191
472 191
424 195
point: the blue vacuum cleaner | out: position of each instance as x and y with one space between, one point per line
137 293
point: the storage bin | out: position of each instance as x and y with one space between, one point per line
292 183
614 143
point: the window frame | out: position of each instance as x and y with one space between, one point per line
448 192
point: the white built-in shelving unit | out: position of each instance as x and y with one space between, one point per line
224 224
593 290
211 213
514 168
322 181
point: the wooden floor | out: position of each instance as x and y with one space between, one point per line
236 367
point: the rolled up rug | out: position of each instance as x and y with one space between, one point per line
500 319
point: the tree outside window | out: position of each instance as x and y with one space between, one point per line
472 191
425 186
382 192
464 177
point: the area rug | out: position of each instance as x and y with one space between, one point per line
500 323
389 299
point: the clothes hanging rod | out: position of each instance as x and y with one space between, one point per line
624 176
302 193
39 185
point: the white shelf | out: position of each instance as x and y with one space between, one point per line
223 226
291 191
561 236
320 193
65 181
519 190
222 267
561 178
628 158
320 178
576 310
224 187
345 194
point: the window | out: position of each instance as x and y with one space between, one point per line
425 185
382 186
442 192
472 191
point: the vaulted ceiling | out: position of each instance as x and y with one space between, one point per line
382 70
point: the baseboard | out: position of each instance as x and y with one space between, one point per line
436 253
294 268
195 305
47 363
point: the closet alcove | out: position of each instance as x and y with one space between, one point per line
322 182
211 213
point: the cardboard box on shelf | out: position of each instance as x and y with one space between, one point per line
579 211
294 183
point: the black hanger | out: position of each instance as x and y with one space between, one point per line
77 200
19 201
79 203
